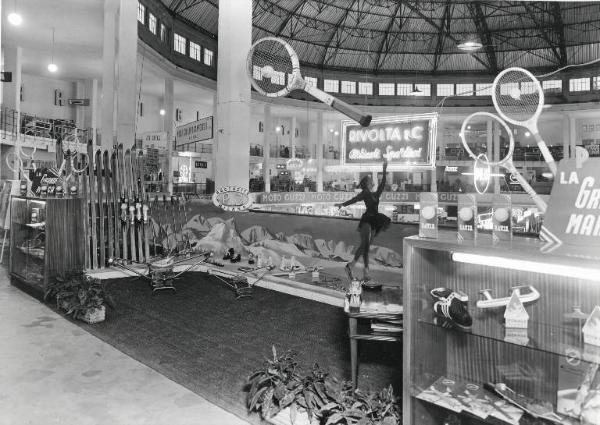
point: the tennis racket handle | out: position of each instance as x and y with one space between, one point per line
539 202
352 112
339 105
545 153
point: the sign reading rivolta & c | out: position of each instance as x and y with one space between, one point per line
232 198
407 141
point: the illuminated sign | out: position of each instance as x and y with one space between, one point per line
232 198
294 164
194 131
482 172
408 142
201 164
451 169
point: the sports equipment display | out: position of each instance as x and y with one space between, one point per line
448 305
470 137
519 99
531 294
271 62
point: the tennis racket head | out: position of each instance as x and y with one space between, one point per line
70 144
473 135
270 63
518 97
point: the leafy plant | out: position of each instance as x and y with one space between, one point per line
273 386
78 293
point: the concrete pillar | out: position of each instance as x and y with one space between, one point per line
267 131
572 135
566 135
108 73
319 153
293 137
168 127
233 93
79 111
91 112
12 94
127 73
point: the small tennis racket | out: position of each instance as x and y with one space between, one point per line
271 62
519 99
69 146
469 135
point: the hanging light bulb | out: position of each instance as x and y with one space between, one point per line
52 67
162 112
14 17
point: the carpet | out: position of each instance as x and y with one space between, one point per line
209 342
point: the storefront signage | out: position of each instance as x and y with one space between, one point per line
194 131
408 142
232 198
155 139
451 169
200 164
572 222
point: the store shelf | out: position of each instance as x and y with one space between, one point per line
531 361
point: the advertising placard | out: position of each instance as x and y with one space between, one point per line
502 218
572 222
155 139
195 131
407 141
428 221
467 217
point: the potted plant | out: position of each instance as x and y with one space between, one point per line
80 295
284 396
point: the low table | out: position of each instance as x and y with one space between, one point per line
384 304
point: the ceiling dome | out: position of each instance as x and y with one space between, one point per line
407 36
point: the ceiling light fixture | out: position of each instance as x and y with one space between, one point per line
162 112
470 45
14 17
52 66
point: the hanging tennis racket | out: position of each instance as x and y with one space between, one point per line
271 62
69 147
473 127
519 99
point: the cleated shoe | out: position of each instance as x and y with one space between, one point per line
442 293
452 308
229 254
236 259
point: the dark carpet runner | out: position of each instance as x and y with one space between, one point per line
206 340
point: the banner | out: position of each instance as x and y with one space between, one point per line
408 142
194 131
154 139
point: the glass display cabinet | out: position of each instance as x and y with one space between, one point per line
47 239
510 344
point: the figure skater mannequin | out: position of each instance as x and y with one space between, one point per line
371 223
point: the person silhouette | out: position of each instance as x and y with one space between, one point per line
372 222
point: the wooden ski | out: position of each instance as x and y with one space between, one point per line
86 208
131 204
116 202
109 206
101 214
123 192
139 223
92 195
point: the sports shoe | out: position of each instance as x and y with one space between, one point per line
236 259
441 293
452 308
229 254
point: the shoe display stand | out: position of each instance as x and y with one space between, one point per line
46 240
531 361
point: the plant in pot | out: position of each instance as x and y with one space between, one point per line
353 407
80 295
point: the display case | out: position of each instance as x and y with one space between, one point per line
453 373
47 239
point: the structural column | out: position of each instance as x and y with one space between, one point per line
267 129
127 72
12 96
319 153
496 153
168 124
108 73
233 94
293 137
572 135
566 136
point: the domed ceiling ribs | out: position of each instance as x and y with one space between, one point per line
484 35
392 37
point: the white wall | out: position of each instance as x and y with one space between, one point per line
38 97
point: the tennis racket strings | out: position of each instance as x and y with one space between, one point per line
270 65
518 97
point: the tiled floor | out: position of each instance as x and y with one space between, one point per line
52 372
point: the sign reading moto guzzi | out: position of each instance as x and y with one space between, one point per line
407 141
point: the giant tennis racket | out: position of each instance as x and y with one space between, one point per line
469 135
271 62
519 99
